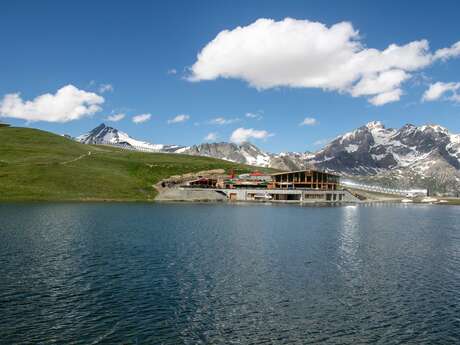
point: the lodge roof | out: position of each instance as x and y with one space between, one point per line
299 171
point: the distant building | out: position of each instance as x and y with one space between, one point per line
304 179
294 186
203 182
309 179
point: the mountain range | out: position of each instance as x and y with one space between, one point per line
103 134
426 156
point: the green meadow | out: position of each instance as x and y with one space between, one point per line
42 166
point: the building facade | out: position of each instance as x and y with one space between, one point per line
308 179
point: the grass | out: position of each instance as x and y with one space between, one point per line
41 166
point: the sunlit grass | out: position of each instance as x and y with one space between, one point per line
37 165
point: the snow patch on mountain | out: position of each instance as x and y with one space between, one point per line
374 148
414 155
103 134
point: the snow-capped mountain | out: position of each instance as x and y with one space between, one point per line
246 153
103 134
373 148
368 150
426 156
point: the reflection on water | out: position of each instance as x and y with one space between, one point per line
222 274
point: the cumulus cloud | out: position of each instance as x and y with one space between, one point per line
437 90
240 135
221 121
141 118
256 115
386 97
447 53
304 54
179 118
211 136
103 88
67 104
308 121
116 117
385 85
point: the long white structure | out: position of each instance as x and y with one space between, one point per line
379 189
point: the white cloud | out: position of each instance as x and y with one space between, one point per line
438 89
447 53
103 88
257 115
172 71
305 54
244 134
211 136
141 118
379 83
67 104
455 97
223 121
308 121
386 97
179 118
116 117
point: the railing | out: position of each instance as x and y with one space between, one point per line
384 190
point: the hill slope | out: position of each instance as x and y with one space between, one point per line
37 165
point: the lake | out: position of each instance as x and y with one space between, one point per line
115 273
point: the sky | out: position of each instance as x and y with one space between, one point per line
285 75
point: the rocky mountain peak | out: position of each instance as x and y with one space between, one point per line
434 128
98 134
104 134
374 125
100 127
371 150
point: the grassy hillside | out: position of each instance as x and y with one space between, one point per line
37 165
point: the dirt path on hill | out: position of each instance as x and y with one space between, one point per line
77 159
6 163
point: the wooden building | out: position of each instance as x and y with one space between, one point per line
203 183
309 179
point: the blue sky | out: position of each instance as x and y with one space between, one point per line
146 50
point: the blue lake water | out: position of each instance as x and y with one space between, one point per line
229 274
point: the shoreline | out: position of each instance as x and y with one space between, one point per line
455 202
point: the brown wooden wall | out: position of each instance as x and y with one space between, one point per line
306 179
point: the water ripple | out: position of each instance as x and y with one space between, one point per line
223 274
